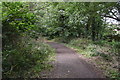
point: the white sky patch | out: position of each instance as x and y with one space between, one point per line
111 21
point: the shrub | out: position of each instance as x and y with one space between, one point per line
17 61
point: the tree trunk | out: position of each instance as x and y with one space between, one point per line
87 28
93 29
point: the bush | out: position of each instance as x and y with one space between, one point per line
17 61
116 47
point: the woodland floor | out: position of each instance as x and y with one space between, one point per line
68 64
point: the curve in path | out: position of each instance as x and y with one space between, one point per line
69 65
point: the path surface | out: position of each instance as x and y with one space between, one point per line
69 65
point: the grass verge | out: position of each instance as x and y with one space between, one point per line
101 55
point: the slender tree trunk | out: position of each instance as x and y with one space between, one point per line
87 28
93 29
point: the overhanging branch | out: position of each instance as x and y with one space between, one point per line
116 18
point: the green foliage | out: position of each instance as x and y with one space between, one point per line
116 46
18 16
17 62
71 20
65 22
22 55
17 21
105 54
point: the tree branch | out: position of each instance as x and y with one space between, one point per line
113 14
112 17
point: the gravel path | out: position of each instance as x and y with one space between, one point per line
69 65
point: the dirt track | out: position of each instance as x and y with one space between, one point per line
69 65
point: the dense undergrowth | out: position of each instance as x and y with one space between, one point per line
26 59
24 55
103 53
